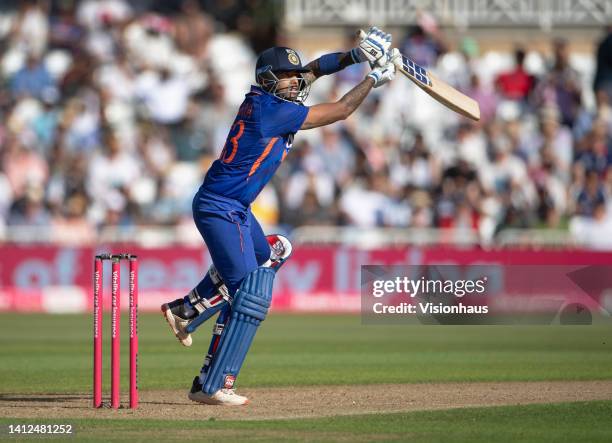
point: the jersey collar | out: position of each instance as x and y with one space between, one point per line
256 90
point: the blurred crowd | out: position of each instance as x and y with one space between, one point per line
539 158
111 110
111 114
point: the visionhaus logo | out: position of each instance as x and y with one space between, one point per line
428 308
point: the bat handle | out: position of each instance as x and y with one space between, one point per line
397 61
361 33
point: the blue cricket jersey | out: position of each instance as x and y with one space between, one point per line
258 141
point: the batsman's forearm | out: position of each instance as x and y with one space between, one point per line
352 99
327 113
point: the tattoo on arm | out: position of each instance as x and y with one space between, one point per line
327 113
355 96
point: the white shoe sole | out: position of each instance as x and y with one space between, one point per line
200 397
184 340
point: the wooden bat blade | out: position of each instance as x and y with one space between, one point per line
438 89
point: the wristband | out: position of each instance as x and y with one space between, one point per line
330 63
356 55
374 75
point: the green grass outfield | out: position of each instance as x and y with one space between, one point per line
564 422
53 354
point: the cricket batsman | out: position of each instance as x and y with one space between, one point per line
238 285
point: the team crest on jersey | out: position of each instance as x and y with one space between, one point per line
293 57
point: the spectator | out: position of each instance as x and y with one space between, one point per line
193 30
64 31
31 26
6 200
71 227
517 83
310 175
414 166
424 42
596 149
29 211
366 203
336 154
555 138
594 232
586 118
213 119
45 124
312 212
110 176
591 196
603 74
485 97
560 87
551 191
165 96
24 167
33 79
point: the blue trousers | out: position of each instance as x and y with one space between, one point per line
234 238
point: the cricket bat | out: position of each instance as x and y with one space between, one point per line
438 89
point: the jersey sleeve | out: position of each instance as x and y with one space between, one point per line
281 118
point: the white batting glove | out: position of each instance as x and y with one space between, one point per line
372 48
384 74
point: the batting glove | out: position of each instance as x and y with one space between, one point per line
384 74
372 48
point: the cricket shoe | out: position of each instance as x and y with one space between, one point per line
176 315
223 397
